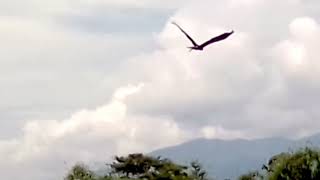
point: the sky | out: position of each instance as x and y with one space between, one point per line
82 81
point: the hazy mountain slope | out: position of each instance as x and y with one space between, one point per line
229 159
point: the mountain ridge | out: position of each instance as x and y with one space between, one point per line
231 158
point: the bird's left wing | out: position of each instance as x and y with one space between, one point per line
193 42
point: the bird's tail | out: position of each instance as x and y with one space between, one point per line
190 48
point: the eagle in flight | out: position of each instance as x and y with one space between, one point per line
201 46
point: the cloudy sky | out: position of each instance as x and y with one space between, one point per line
83 80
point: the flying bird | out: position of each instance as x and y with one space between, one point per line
201 46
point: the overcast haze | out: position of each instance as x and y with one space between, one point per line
84 80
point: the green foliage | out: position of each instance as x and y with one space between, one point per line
80 172
141 167
197 171
303 164
299 165
253 175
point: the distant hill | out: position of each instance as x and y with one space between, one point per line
231 158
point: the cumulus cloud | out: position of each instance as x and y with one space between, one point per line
211 132
49 71
89 136
167 4
262 81
47 9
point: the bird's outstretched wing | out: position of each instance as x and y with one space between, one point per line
193 42
216 39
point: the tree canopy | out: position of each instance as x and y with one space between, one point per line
139 166
303 164
300 165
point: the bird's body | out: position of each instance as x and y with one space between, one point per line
201 46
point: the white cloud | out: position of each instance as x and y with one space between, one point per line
218 132
304 28
262 76
89 136
47 8
48 70
123 92
262 81
167 4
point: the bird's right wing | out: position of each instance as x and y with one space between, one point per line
216 39
193 42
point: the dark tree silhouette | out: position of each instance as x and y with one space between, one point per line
146 167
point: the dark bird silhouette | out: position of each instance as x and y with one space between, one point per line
201 46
